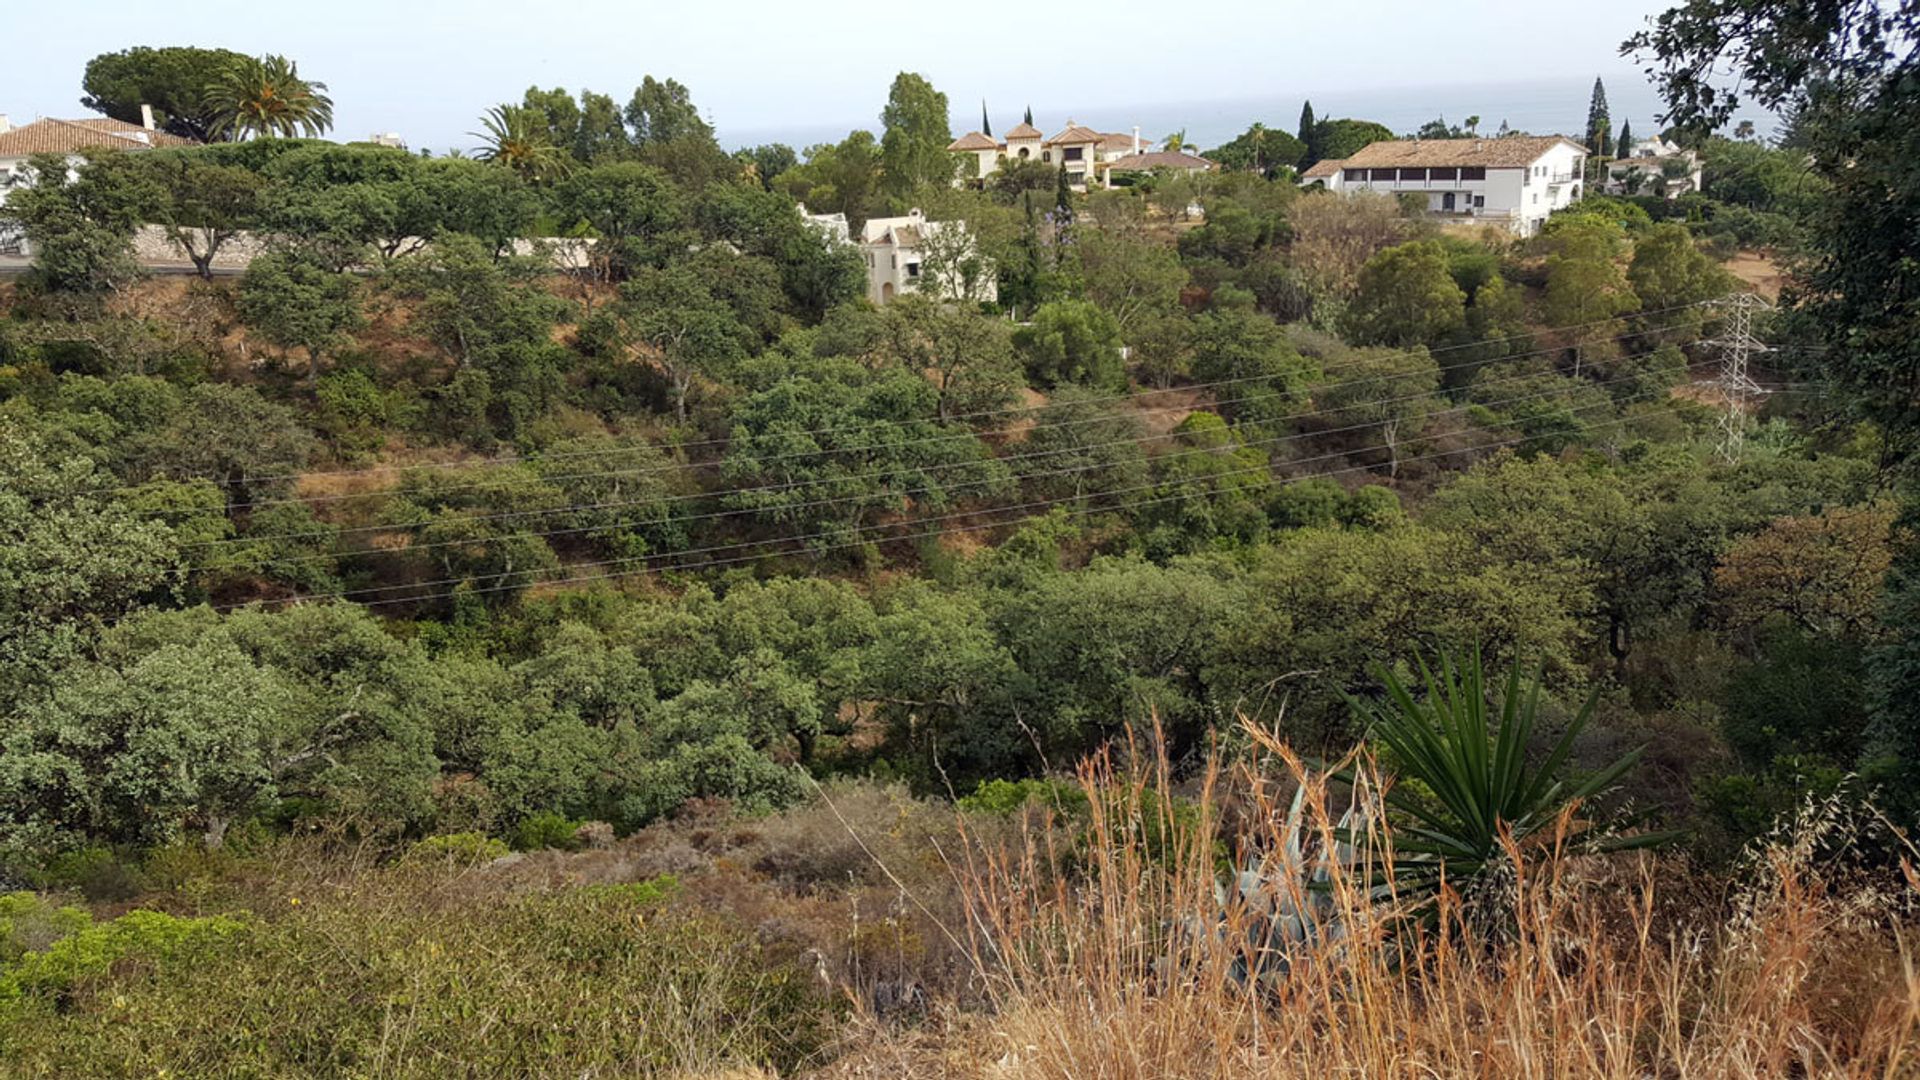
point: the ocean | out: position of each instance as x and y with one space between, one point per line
1541 107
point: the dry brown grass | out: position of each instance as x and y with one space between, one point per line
1597 969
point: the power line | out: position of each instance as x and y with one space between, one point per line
937 467
839 500
959 436
1023 409
353 594
710 563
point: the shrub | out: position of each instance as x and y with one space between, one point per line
1003 798
547 829
467 847
91 949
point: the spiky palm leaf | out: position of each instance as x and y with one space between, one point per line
516 137
267 96
1476 792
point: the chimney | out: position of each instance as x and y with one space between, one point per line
6 125
146 117
1136 138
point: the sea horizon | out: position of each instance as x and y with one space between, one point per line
1536 106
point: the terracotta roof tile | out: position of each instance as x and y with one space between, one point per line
1024 130
1161 159
1512 152
1076 133
973 140
1323 168
52 136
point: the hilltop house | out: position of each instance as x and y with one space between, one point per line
1515 181
1655 167
71 138
1161 161
909 253
1086 154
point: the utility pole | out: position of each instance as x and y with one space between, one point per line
1737 389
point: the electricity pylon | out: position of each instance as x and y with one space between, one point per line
1737 389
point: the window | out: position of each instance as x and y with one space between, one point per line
1414 174
1443 174
1070 153
1380 174
913 269
1473 172
1046 155
1479 201
1356 174
895 260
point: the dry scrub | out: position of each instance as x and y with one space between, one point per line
1097 966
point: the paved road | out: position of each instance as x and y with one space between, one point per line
14 265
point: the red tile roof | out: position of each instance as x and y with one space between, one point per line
1161 159
1075 134
973 140
1511 152
50 136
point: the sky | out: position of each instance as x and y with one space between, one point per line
801 73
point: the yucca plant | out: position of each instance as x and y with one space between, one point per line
1473 791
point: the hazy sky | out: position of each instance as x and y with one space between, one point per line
760 69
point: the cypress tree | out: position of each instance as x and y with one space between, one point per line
1029 120
986 125
1309 136
1624 146
1599 125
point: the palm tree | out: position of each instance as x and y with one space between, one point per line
516 136
267 96
1176 142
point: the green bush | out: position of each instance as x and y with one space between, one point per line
1004 798
96 872
467 847
396 977
91 949
546 829
648 893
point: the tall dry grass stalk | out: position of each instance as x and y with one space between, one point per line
1112 952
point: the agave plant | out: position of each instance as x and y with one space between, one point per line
1475 792
267 96
516 136
1284 905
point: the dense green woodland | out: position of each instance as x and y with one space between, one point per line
669 526
572 491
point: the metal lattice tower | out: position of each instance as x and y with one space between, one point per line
1737 389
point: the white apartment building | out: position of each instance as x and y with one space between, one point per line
1516 181
1655 167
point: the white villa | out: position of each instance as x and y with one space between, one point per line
1515 181
1086 154
904 253
71 138
1654 167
